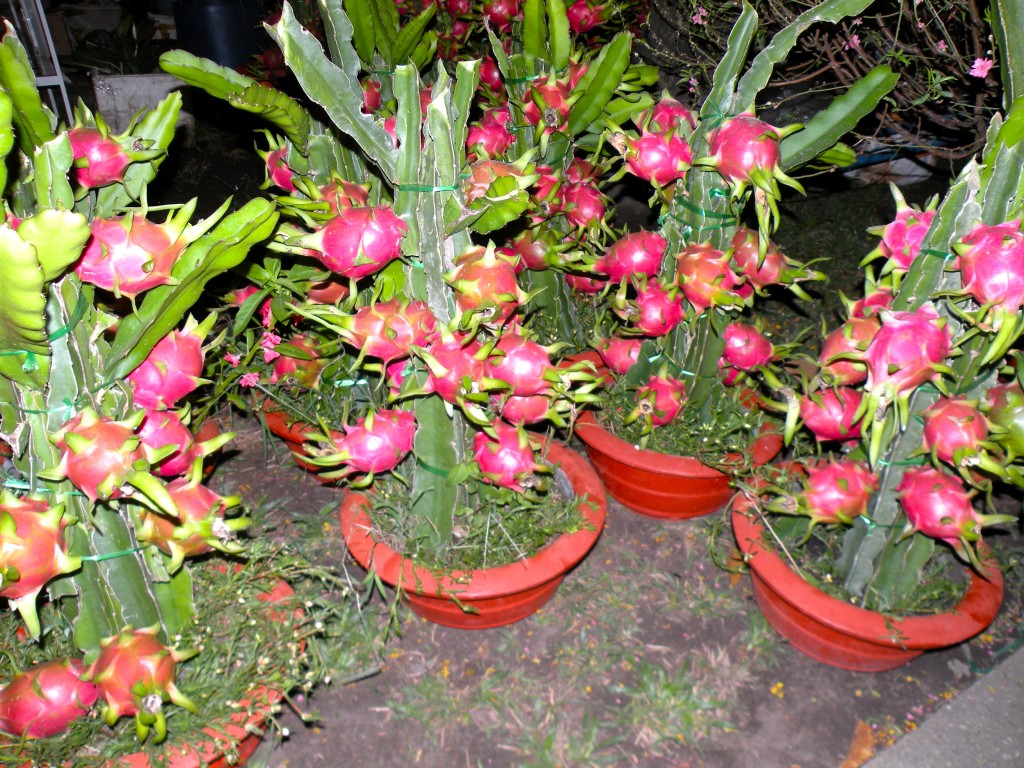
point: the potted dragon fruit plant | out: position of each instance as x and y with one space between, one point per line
678 425
104 513
858 551
443 386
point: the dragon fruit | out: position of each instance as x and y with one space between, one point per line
908 350
937 505
954 430
358 241
538 248
340 195
516 410
760 270
199 525
546 103
830 414
501 13
371 95
172 368
585 283
128 255
160 429
388 330
902 238
376 443
665 116
746 348
992 269
837 491
583 16
32 551
523 364
842 353
583 205
485 286
872 303
279 174
45 699
746 150
456 367
490 137
100 159
135 674
506 459
707 280
658 158
303 371
636 253
99 454
659 401
329 291
1004 406
490 75
656 311
617 353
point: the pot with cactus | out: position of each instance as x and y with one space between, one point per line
866 551
433 394
109 537
680 422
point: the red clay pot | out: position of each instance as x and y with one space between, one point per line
295 434
658 484
491 597
845 635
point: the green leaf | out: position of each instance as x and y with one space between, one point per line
559 44
534 29
364 36
723 82
607 72
220 82
58 237
412 34
1007 23
839 118
50 165
18 81
780 46
164 307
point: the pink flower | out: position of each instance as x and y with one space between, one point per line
700 18
268 342
249 380
940 46
981 67
853 42
233 359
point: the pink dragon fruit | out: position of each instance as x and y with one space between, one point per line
660 400
583 205
490 137
172 368
329 291
545 188
581 171
872 303
583 16
340 195
516 410
455 367
279 174
458 8
636 253
665 116
618 353
358 241
371 95
908 350
538 248
506 459
98 454
199 526
45 699
761 271
160 429
128 255
656 311
842 353
501 13
837 491
707 280
746 348
302 371
937 505
658 158
485 286
585 283
490 75
954 430
746 150
100 159
388 330
374 444
135 674
546 103
829 414
523 364
992 269
902 238
32 552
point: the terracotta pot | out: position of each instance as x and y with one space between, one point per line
295 434
658 484
493 596
847 636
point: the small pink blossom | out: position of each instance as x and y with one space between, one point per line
981 67
856 22
232 358
268 342
853 42
940 46
700 18
249 380
266 314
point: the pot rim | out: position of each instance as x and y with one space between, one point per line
556 558
762 449
968 617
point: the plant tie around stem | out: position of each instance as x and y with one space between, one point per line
431 469
946 255
31 364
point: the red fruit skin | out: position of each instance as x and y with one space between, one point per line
937 505
490 137
106 159
524 365
101 468
195 503
742 145
360 241
582 17
746 347
634 254
901 238
838 491
135 657
992 265
304 372
128 255
278 172
501 13
340 195
850 340
871 304
33 548
162 428
585 283
45 699
453 365
706 278
658 312
904 352
619 354
380 446
953 424
523 410
547 103
759 272
659 159
506 460
486 284
583 205
664 397
170 371
668 115
828 414
490 75
388 330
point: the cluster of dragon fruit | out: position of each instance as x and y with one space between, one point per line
147 458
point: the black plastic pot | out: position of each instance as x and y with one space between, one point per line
225 31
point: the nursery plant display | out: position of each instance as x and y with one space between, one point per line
103 509
912 402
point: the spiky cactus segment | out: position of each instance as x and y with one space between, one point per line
32 552
134 673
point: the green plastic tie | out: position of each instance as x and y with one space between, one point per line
350 382
112 555
424 188
21 485
433 470
700 211
872 524
76 316
946 255
517 80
